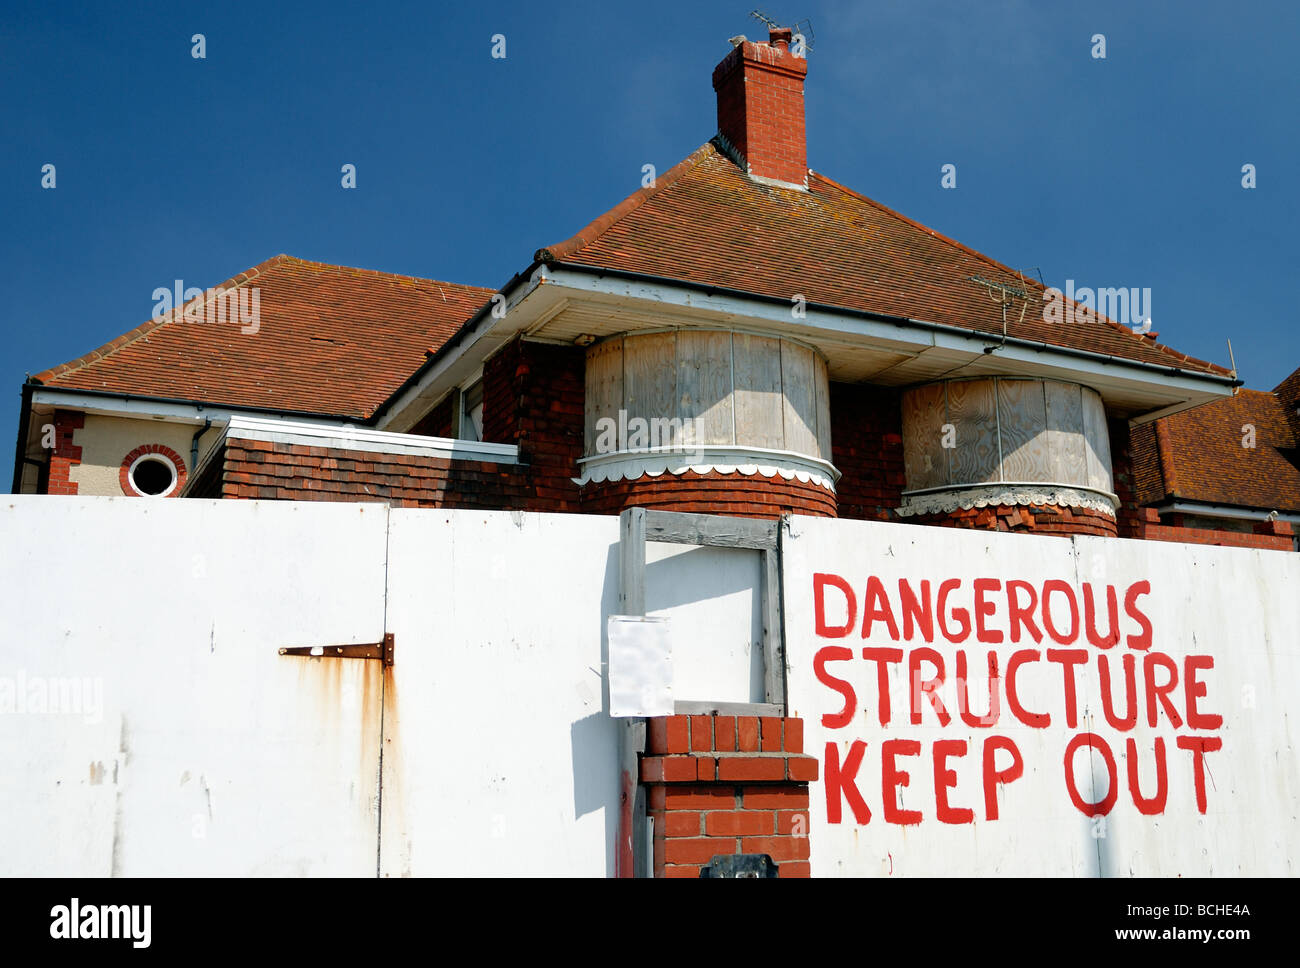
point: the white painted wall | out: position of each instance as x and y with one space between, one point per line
207 752
194 747
1238 606
212 753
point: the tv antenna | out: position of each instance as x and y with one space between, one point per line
802 28
1004 295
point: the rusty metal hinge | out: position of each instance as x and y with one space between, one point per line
370 650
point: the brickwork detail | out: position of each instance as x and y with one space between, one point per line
739 495
435 423
533 396
290 472
867 449
1034 519
760 107
1265 535
725 785
66 454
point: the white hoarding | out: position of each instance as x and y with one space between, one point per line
1010 704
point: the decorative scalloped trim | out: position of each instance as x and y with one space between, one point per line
944 502
634 468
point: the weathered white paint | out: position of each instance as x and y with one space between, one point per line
499 754
1237 606
205 751
210 753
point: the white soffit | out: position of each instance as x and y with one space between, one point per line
560 305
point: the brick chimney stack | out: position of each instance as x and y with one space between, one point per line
760 108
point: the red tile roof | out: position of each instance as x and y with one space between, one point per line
1198 455
706 222
330 340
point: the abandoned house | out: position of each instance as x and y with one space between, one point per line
744 337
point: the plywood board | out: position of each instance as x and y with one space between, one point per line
704 384
1097 440
650 375
604 385
821 378
925 459
972 410
758 391
1222 619
1065 447
799 404
1022 422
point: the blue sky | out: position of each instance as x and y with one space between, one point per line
1117 172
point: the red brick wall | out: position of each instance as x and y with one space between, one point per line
740 495
437 422
288 472
1035 519
533 396
66 455
725 785
1266 535
867 448
1121 454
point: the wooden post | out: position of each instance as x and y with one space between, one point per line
631 859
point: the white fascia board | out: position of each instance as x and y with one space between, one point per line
915 337
911 338
365 439
145 409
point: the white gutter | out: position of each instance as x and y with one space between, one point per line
1224 511
146 409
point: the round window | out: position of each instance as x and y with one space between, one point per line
152 470
153 476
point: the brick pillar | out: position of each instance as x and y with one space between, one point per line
66 454
533 396
723 785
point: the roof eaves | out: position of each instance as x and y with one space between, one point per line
147 327
993 263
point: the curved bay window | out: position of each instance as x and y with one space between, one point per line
706 400
1005 441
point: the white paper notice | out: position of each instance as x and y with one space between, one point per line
640 666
